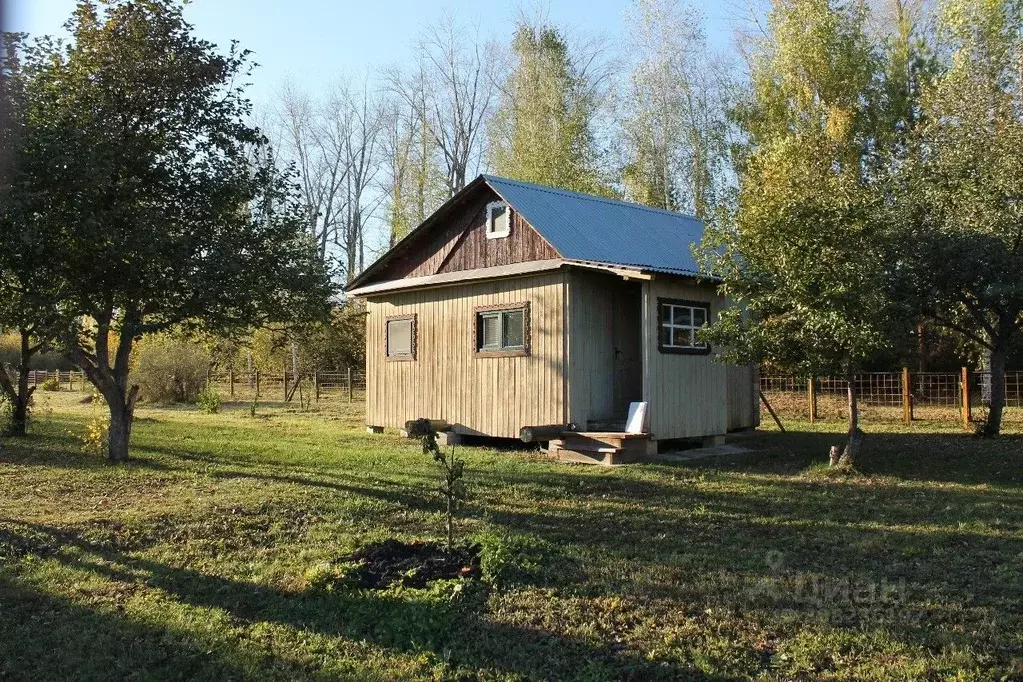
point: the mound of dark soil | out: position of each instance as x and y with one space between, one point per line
410 564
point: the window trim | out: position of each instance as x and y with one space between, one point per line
490 220
681 350
502 308
411 357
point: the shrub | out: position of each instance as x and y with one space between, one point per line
51 384
169 370
208 400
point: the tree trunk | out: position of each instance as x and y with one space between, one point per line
21 395
122 414
997 366
852 449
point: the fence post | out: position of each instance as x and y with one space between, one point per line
350 391
257 384
907 399
230 379
811 392
967 407
316 385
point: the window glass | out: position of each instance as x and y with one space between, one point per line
491 333
498 215
680 324
399 338
513 332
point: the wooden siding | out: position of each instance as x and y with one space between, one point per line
459 242
691 396
493 396
591 370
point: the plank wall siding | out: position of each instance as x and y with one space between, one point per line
692 396
461 243
495 396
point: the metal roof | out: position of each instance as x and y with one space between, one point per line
591 228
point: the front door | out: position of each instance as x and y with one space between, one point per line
627 341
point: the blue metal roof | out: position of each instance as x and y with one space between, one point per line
590 228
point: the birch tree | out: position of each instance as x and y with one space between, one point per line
675 128
543 129
807 251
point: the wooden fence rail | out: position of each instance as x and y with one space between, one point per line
892 396
346 385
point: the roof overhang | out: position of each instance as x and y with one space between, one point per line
447 279
455 278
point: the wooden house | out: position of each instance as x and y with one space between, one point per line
517 305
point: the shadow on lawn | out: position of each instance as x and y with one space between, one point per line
48 637
457 631
939 457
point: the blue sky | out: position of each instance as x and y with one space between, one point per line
313 41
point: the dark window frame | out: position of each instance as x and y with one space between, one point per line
685 303
514 352
410 357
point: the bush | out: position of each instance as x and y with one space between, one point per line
51 384
169 370
208 400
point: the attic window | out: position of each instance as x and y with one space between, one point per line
498 220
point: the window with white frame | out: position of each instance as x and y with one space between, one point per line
678 325
502 331
401 338
498 220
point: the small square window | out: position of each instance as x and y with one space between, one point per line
503 332
498 220
401 338
678 325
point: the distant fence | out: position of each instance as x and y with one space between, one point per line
345 386
890 396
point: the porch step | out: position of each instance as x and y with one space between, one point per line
600 447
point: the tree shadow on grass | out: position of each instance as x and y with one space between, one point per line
457 630
45 637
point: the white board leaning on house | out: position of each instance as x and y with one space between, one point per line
636 423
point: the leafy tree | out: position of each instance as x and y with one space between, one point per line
162 202
962 193
28 295
807 250
675 130
542 131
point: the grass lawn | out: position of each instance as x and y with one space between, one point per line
198 559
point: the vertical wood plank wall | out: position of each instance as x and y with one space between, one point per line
494 396
692 396
591 370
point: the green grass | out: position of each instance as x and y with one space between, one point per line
195 561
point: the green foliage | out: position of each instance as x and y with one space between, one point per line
177 215
336 344
674 127
807 252
510 559
50 384
959 195
208 400
542 131
169 368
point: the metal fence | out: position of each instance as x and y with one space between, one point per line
345 386
891 396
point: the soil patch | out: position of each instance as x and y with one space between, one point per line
409 564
